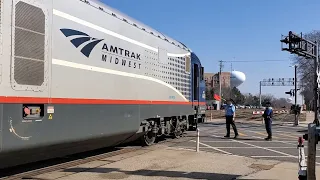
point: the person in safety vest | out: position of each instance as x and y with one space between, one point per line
267 116
230 110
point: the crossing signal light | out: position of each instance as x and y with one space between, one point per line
289 92
285 40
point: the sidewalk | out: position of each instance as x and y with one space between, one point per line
165 163
283 171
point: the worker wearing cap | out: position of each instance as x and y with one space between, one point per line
230 114
267 116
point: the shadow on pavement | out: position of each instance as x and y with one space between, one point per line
303 131
231 137
115 173
207 124
243 124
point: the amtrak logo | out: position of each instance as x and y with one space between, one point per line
80 38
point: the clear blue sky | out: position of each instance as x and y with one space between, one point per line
231 30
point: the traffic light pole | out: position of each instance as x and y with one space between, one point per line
309 50
220 88
296 120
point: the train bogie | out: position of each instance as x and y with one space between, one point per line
158 127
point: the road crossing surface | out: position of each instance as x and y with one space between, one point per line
251 141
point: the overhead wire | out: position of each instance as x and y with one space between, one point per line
256 61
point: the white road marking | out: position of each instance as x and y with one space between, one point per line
213 148
258 138
230 140
232 147
179 148
276 156
258 147
279 152
264 134
287 132
214 141
271 157
287 142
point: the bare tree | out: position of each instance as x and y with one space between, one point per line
305 71
281 103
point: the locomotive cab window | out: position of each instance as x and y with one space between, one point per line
201 73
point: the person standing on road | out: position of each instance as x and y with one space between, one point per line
230 115
267 115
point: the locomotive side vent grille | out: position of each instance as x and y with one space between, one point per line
1 27
29 45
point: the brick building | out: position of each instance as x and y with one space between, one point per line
212 79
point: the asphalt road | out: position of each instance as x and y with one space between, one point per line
251 141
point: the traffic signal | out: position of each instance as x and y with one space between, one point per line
289 92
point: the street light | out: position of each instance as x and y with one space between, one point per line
296 120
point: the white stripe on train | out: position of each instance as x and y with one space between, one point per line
111 33
115 72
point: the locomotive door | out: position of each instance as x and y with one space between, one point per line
30 66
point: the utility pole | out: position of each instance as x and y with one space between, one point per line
260 103
220 89
309 50
230 82
296 121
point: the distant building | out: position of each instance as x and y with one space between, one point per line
209 79
212 79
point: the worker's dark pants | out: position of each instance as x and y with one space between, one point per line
268 123
229 121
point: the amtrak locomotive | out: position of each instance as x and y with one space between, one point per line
77 75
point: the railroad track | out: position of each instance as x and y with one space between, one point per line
38 168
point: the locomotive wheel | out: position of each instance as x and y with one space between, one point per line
196 127
148 139
188 125
178 131
177 134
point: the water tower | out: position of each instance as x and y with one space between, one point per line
237 78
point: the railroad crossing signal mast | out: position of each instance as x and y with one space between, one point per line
308 49
276 82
